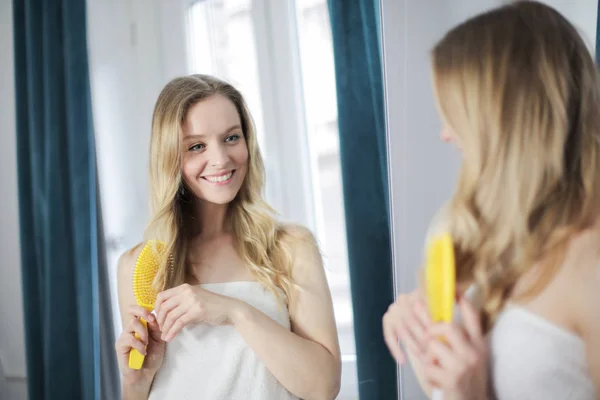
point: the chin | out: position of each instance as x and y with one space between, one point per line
219 200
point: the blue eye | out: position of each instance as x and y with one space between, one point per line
233 138
197 147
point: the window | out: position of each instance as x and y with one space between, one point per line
220 42
280 55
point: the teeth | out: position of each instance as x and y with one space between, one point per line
217 179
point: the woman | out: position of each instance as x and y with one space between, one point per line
519 93
244 310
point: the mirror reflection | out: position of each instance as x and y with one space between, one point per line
236 108
505 200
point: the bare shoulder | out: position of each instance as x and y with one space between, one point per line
297 233
127 261
304 249
582 270
583 259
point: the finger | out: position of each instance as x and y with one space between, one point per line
127 342
171 317
391 340
410 345
165 309
421 311
154 332
161 298
471 320
437 375
167 294
416 330
439 352
138 311
137 344
135 326
454 336
177 327
413 334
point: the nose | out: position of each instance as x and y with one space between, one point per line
219 156
446 135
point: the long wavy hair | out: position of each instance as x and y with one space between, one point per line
519 88
258 237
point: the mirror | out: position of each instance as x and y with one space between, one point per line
280 56
423 170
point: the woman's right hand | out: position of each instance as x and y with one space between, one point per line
406 321
149 344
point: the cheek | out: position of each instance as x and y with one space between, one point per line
240 155
192 165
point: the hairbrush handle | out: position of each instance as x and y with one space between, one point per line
136 359
440 278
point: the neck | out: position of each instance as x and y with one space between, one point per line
211 220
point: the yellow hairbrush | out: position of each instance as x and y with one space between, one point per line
144 273
440 278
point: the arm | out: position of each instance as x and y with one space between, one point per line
592 343
135 392
306 361
135 385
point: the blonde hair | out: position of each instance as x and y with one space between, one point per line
259 239
520 90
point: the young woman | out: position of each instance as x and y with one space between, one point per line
244 310
520 94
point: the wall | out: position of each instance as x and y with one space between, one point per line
422 169
12 341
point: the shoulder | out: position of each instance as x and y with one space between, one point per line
296 234
583 260
303 248
128 259
297 237
125 269
582 270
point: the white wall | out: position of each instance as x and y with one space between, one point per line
12 341
423 170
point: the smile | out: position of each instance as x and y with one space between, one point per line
220 179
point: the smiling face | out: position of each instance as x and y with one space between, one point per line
214 152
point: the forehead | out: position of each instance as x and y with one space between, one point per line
213 115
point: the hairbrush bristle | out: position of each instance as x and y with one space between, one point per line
145 271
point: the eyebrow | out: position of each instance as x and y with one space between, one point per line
202 135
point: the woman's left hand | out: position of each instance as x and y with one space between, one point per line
458 364
187 304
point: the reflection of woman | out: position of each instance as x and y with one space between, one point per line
519 92
244 312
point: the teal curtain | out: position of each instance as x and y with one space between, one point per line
361 116
57 199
